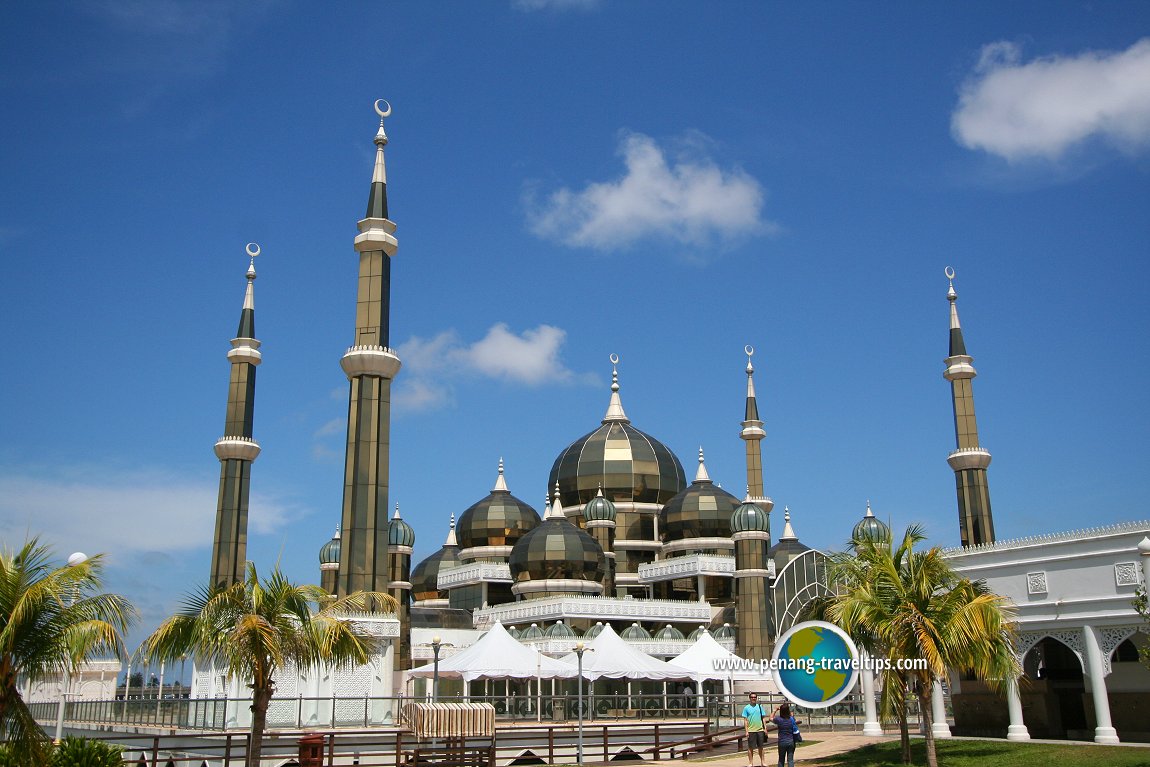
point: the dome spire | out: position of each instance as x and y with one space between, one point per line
555 511
500 482
957 346
788 531
451 533
615 406
701 474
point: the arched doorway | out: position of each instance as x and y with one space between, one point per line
1053 692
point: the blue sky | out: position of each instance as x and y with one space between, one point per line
665 181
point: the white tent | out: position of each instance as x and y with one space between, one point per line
610 657
497 655
707 659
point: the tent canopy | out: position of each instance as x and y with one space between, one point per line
497 655
707 659
609 656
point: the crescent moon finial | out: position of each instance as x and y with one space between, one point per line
252 249
949 272
382 112
750 350
614 359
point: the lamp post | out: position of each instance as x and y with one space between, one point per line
436 643
76 559
579 650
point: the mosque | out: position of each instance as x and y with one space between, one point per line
624 538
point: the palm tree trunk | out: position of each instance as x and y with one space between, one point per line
261 697
904 731
927 713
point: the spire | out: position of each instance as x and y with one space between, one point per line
701 474
451 541
957 346
555 511
247 328
377 199
500 482
788 531
752 412
869 513
397 511
615 406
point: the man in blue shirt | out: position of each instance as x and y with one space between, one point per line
756 736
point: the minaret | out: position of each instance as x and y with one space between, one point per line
753 605
400 540
237 449
329 563
750 530
970 460
370 367
600 515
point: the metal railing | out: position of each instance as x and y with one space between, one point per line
231 714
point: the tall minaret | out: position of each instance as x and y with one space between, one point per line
970 460
752 535
370 366
237 449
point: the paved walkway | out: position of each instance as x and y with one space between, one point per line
829 744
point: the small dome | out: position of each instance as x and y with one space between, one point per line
329 552
399 533
669 634
594 631
703 510
870 527
635 631
557 549
559 630
697 633
425 576
599 508
749 517
725 632
628 464
500 519
513 632
531 632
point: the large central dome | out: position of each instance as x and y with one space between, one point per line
629 464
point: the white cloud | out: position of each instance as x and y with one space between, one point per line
119 512
689 200
554 5
531 358
1041 108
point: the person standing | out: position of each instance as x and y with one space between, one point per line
756 735
787 725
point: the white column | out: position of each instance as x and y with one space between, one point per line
1144 550
1017 729
1104 732
871 726
938 712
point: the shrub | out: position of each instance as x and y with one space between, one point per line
81 752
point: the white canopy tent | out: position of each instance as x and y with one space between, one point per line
707 659
497 655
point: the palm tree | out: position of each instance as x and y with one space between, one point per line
909 604
52 618
254 628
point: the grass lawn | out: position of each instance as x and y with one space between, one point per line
968 753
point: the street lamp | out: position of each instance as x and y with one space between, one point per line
76 559
436 643
579 650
